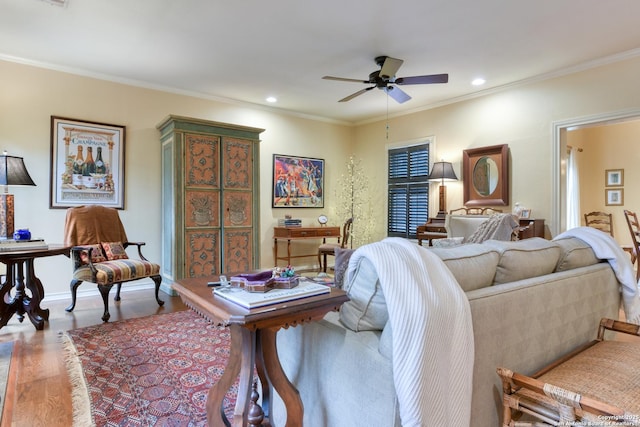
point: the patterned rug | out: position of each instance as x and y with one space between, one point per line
150 371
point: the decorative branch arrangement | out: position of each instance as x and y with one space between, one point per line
354 201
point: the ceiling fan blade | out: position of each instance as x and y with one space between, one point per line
358 93
398 94
422 80
342 79
390 67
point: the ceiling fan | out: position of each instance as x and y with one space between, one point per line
385 79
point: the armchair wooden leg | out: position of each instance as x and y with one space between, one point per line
157 280
104 291
117 297
74 288
324 268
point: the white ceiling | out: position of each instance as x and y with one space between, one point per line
246 50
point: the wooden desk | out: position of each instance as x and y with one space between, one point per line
300 233
433 229
253 343
21 274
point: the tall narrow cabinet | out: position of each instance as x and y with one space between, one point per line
210 190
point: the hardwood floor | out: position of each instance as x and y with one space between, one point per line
39 392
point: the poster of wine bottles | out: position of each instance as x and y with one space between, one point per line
87 163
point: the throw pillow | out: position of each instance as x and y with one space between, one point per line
342 263
96 254
114 250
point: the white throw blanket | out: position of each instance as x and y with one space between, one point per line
431 330
605 247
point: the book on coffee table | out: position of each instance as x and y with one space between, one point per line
253 300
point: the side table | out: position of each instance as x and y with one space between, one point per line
253 344
21 274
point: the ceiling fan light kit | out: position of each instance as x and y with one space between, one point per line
385 79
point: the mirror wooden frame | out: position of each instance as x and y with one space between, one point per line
500 196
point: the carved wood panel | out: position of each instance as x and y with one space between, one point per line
202 253
202 208
201 160
238 250
237 208
237 163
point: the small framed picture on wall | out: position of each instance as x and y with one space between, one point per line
614 197
614 177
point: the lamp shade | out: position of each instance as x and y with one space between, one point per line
13 171
442 170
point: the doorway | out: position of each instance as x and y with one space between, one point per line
559 179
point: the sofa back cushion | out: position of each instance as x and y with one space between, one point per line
463 225
473 265
574 253
366 309
524 259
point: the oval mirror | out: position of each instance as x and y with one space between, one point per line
485 176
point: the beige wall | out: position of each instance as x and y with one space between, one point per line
521 117
612 146
29 96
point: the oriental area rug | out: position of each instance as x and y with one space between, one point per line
150 371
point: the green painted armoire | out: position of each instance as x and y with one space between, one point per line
210 198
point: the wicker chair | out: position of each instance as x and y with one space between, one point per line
329 248
98 241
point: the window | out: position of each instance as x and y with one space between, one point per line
408 191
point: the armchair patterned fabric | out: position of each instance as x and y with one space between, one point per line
98 241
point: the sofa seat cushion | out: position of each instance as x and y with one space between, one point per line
366 309
473 265
524 259
121 270
574 253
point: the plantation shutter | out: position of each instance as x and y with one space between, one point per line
408 191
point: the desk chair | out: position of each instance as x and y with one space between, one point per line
329 248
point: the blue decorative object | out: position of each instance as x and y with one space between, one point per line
22 234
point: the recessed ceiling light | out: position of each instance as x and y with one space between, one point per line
56 2
478 82
272 99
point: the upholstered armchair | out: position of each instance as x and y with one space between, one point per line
99 256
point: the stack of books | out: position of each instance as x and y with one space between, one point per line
9 245
289 222
250 300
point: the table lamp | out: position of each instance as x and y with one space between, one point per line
441 171
12 172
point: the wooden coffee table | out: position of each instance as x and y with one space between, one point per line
253 344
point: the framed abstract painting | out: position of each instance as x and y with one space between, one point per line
298 182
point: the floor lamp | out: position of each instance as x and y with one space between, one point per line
442 171
12 172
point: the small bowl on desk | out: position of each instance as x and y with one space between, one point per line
22 234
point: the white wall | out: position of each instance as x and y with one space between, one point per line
29 96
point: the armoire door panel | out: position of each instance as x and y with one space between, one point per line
202 160
202 208
237 160
238 250
237 208
202 253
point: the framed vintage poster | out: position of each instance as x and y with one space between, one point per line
298 182
87 164
615 177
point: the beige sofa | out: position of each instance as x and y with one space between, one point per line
531 301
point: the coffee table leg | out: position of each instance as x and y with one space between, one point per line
277 377
215 411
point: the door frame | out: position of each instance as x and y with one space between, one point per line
559 158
